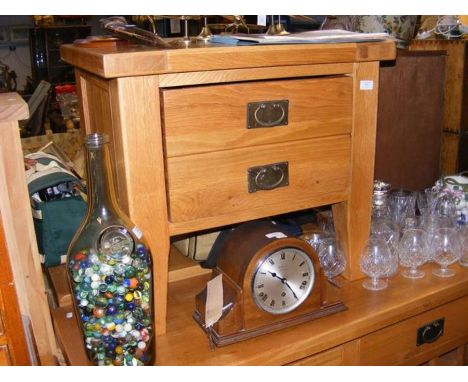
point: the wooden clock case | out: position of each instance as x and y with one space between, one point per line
239 255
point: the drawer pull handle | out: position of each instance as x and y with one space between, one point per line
429 333
267 114
268 177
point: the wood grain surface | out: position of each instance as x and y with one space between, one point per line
20 238
12 107
318 175
145 60
212 118
370 317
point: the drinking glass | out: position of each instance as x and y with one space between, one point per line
463 235
385 230
432 194
422 203
331 258
326 222
413 252
402 205
375 262
315 238
430 224
445 247
446 209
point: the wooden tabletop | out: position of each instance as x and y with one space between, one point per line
132 59
186 344
12 107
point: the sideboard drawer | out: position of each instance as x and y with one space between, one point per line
216 117
331 357
396 344
216 184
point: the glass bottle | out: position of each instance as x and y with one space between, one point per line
110 274
382 226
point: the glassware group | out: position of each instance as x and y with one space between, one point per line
410 229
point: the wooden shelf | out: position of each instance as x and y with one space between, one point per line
182 267
186 344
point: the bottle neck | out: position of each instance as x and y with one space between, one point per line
101 192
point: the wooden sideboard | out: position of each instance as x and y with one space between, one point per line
379 328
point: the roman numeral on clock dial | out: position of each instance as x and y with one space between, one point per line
283 280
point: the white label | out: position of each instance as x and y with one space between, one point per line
175 25
137 232
261 20
277 235
366 85
214 300
69 315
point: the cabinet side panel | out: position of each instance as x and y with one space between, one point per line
127 109
352 217
137 123
96 116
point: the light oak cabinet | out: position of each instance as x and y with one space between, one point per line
178 122
183 142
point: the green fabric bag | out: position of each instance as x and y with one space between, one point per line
55 220
59 221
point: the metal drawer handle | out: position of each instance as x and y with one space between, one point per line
267 113
268 177
431 332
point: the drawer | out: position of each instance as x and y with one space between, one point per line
211 118
331 357
216 184
396 344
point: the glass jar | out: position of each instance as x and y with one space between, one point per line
110 272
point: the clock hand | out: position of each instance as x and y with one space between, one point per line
294 294
284 281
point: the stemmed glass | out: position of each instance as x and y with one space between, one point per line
383 227
389 234
376 262
331 258
463 235
446 250
413 252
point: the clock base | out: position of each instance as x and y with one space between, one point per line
245 334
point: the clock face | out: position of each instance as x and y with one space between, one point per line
283 280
